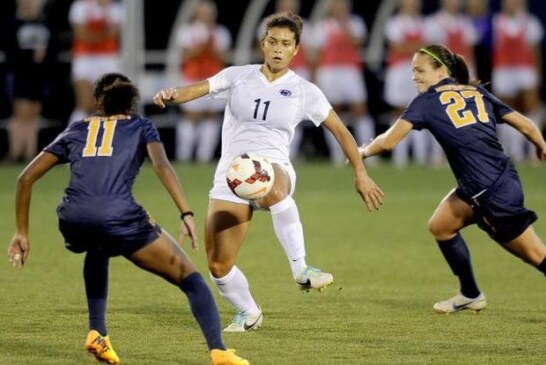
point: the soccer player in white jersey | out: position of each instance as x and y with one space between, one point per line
264 105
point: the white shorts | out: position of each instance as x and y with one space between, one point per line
509 81
399 87
91 68
221 191
342 84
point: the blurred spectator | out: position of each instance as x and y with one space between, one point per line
205 49
405 35
29 55
454 29
96 28
450 27
481 17
301 63
340 38
516 74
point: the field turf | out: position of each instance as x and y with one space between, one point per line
388 273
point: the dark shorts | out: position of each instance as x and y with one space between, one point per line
500 210
27 85
80 237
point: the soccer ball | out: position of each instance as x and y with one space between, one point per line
250 176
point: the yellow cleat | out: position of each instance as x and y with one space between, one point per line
226 357
101 347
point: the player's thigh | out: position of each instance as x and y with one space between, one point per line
451 215
226 229
165 258
528 246
284 185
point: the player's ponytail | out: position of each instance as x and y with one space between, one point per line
115 94
459 70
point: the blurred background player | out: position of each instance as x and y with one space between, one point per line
340 36
29 55
482 19
302 64
96 28
205 50
451 27
517 70
404 32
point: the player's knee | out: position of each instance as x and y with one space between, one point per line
178 270
439 230
433 227
219 269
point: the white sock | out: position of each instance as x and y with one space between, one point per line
185 140
364 129
234 288
289 231
208 136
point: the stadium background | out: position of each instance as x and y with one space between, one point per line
150 56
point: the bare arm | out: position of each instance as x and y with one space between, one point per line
388 140
19 246
165 172
526 127
366 187
181 94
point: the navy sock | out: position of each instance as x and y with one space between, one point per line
95 274
457 256
542 267
204 309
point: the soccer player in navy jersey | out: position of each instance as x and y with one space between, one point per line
463 118
99 215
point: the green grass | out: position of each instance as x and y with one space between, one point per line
387 267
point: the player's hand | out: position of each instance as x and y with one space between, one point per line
187 228
370 192
18 250
164 96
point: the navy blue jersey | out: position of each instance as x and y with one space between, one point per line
105 155
463 119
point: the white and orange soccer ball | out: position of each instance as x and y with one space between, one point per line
250 176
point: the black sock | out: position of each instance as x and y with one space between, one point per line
457 256
542 267
95 274
204 309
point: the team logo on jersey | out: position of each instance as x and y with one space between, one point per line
285 92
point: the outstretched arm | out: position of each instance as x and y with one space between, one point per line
19 246
168 177
366 187
388 140
526 127
181 94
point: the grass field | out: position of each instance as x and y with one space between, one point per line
387 268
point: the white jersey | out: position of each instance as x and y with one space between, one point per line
260 115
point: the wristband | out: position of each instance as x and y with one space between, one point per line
186 213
